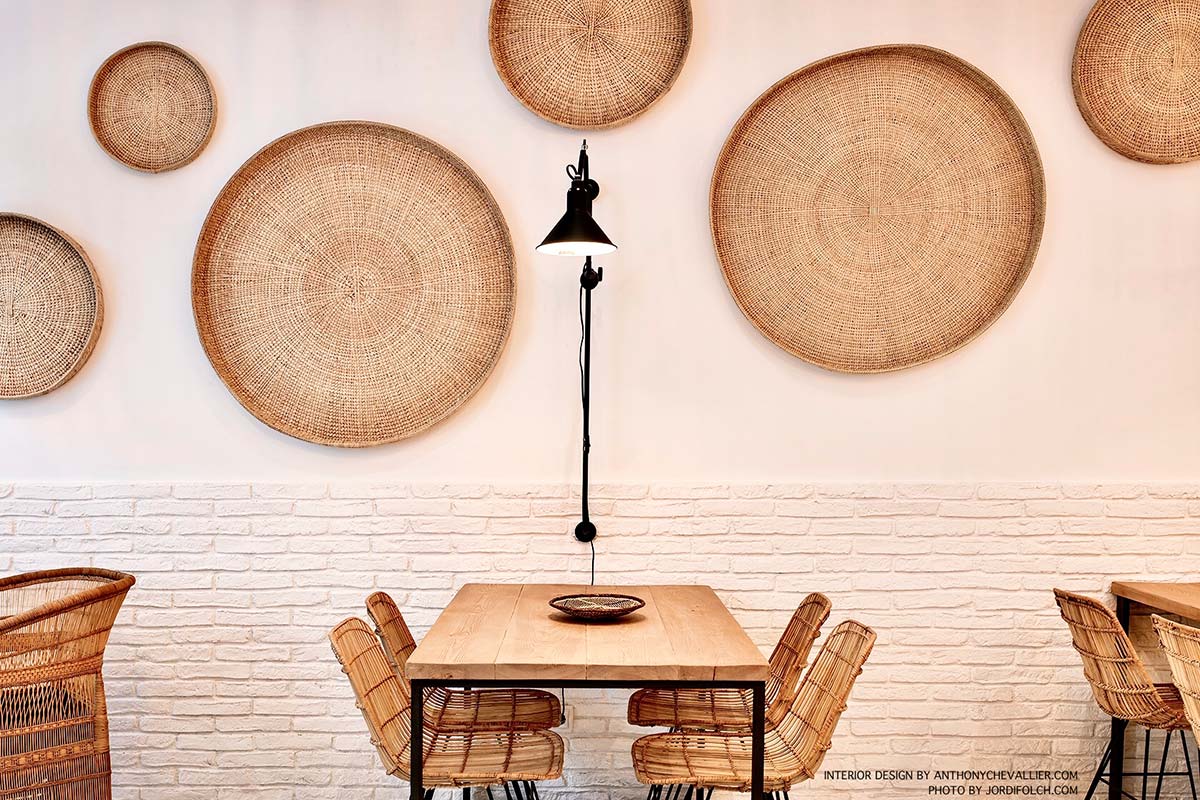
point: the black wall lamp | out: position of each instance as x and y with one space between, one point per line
577 234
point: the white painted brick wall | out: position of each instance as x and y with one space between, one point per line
222 684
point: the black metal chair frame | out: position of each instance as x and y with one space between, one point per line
1106 778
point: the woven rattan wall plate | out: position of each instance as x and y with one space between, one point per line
152 107
1136 76
51 307
878 209
589 63
353 284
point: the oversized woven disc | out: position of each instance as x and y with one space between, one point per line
353 283
1137 77
589 63
878 209
151 106
51 308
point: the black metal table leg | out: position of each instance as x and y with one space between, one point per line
417 745
758 740
1116 772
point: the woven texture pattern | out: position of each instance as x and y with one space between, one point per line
457 710
51 307
589 63
54 627
878 209
151 106
353 284
1136 76
1120 682
732 709
1182 645
476 758
795 745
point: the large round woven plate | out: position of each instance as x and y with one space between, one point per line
353 283
878 209
1137 78
589 63
152 107
51 307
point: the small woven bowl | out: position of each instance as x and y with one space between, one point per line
596 606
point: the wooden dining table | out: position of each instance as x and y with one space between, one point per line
1172 598
508 635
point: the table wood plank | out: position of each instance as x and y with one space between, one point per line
464 640
535 644
698 622
1174 598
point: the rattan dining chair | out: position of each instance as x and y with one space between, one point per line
451 759
1182 646
457 709
730 710
54 626
1122 685
795 745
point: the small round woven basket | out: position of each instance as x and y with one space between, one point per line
353 284
1136 76
589 65
51 307
152 107
878 209
597 606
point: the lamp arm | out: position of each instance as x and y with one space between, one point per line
589 279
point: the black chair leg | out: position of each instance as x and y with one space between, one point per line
1162 765
1099 772
1187 760
507 793
1145 763
488 789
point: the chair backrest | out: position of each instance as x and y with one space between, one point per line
382 697
1182 645
790 656
58 617
398 641
1120 682
806 730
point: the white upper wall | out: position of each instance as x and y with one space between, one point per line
1094 372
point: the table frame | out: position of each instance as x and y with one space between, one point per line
1116 735
757 732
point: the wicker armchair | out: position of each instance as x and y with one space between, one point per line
795 745
456 709
1120 682
54 626
730 710
451 759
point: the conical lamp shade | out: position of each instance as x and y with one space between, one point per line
576 234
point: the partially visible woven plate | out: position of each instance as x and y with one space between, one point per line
597 606
589 63
878 209
1136 76
51 307
353 284
152 107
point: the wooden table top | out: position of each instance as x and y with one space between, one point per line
1174 598
509 632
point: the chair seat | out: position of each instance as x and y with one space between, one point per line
727 710
488 758
492 710
713 760
1173 701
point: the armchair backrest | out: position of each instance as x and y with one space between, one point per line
790 656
